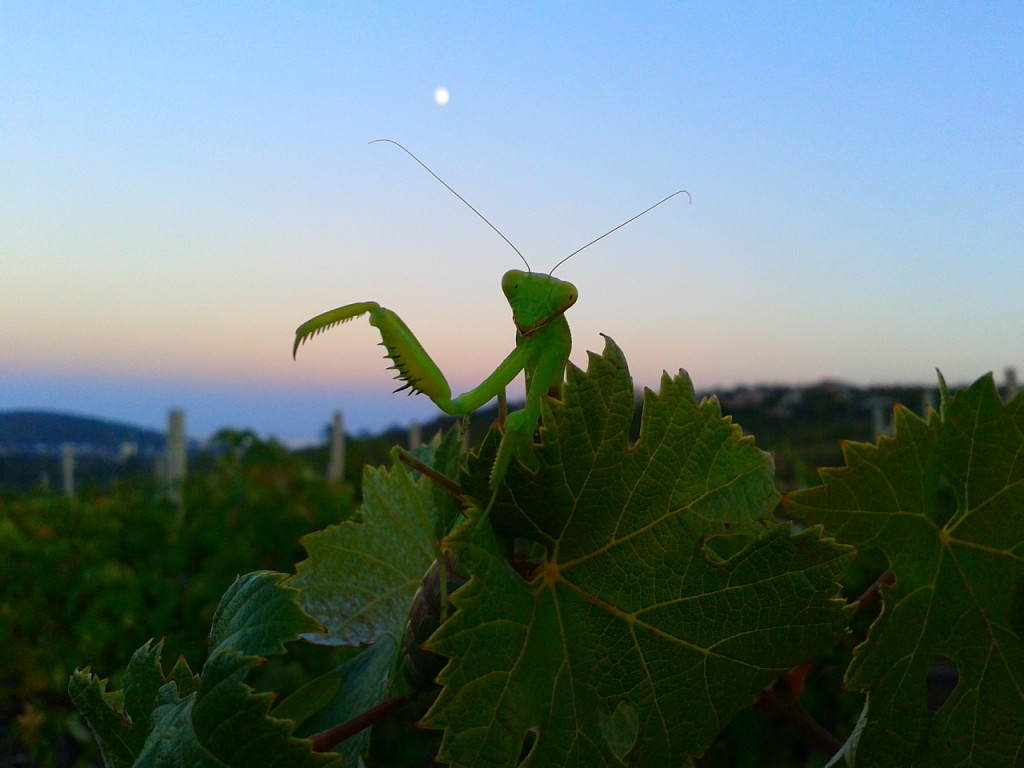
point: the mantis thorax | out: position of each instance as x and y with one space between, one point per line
536 299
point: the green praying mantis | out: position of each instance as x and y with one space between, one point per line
543 342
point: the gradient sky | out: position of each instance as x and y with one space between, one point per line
182 184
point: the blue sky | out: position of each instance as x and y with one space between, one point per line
182 184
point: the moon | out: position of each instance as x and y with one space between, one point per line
441 96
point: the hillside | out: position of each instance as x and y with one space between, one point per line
43 432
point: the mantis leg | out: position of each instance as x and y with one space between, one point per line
421 374
415 367
520 425
542 356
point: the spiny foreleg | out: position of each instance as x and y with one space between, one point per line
415 368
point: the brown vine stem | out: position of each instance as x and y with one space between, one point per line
873 592
326 740
794 716
425 469
781 704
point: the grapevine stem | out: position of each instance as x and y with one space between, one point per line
873 592
790 713
326 740
446 483
781 703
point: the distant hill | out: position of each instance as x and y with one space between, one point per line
45 431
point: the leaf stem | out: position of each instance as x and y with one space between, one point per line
326 740
428 471
777 708
873 592
781 703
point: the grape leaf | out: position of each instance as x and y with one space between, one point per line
121 719
944 501
360 577
635 639
215 719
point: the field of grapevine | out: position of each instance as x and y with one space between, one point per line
637 592
87 580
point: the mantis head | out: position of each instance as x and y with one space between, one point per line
536 299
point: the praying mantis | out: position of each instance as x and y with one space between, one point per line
539 302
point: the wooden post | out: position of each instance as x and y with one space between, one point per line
67 468
1010 386
879 423
927 401
336 461
415 435
177 457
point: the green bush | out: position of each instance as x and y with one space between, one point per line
85 579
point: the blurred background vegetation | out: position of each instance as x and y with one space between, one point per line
85 580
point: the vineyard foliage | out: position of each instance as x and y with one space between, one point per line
88 579
944 501
615 603
184 719
665 598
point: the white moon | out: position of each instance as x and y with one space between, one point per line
441 96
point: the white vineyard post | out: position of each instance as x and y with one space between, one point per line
1010 385
415 436
336 461
879 422
67 468
927 401
177 458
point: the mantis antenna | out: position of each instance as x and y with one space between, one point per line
647 210
474 210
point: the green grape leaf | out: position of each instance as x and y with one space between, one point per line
632 642
360 577
225 724
257 615
121 719
214 719
944 501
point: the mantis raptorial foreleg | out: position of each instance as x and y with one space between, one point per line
542 347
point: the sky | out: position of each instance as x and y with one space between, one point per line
181 185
